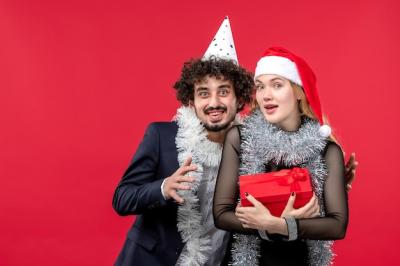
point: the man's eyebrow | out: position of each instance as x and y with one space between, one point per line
226 85
201 88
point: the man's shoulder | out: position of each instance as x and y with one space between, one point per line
164 126
164 133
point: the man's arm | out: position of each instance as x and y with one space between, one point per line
350 169
140 189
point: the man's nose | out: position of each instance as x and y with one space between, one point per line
215 101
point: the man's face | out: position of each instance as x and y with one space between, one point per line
215 103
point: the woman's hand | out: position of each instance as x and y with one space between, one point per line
310 210
256 217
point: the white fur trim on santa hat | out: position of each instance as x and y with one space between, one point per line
278 65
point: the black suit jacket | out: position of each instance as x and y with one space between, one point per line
153 238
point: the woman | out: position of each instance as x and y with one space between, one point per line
282 132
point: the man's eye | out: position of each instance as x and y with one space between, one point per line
224 92
203 94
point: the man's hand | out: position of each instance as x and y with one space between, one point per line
179 180
310 210
350 171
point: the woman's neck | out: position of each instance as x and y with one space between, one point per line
291 123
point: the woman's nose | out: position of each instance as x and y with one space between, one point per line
267 93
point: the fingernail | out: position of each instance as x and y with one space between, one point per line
246 194
293 193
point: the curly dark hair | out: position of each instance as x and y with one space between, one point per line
195 70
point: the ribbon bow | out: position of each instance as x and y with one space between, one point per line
291 177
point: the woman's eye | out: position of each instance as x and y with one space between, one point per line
277 85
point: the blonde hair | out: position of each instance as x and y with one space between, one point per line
304 106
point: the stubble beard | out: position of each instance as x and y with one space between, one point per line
217 128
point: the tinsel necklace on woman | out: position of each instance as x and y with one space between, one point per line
263 143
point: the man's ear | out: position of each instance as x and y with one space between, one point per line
240 104
191 103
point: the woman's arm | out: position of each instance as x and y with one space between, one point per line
334 224
226 190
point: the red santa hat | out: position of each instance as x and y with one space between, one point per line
279 61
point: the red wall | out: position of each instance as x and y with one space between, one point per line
80 80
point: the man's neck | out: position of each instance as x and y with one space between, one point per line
218 136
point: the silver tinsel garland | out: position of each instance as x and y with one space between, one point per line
191 140
263 144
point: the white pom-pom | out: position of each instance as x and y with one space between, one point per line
325 131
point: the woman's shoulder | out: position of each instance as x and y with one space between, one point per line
234 131
233 135
333 151
333 146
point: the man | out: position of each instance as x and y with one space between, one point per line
174 223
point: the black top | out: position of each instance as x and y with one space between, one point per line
332 226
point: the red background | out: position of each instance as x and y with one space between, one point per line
80 81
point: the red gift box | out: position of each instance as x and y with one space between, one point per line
273 189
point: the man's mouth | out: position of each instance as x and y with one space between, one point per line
215 115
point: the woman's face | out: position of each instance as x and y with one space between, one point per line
277 101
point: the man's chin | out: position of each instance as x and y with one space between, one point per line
216 127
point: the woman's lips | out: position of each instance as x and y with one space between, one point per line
270 108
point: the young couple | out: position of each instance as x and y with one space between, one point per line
182 183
